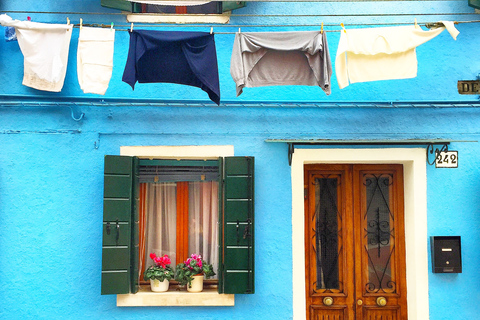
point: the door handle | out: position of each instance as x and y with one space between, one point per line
381 301
359 302
328 301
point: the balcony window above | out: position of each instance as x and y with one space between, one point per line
196 11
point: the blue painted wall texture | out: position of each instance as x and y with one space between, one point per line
51 166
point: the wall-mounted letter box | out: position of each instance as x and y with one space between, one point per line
446 254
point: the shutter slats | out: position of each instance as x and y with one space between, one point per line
116 245
238 226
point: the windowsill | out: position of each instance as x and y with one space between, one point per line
179 18
146 298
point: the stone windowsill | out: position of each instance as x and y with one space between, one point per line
145 297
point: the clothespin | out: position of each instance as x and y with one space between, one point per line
68 20
29 19
81 23
321 30
111 26
343 27
416 25
238 30
211 30
131 27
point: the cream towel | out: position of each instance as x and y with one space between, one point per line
45 50
95 59
381 53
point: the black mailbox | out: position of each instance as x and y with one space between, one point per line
446 254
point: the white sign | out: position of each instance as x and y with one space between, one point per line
447 159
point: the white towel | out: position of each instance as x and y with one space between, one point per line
381 53
95 59
45 50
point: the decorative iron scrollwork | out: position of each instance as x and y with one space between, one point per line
379 233
430 150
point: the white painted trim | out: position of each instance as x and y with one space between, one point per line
178 152
179 18
415 181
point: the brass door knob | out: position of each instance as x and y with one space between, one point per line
328 301
359 302
381 301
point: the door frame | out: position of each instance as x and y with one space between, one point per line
415 205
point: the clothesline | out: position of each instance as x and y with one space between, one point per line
256 15
136 26
284 16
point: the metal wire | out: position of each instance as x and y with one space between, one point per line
78 103
119 27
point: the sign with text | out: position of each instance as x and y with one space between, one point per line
468 86
447 159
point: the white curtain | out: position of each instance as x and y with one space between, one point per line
161 220
203 218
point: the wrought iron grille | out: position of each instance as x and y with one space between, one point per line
327 234
379 231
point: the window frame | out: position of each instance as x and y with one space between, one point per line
237 187
134 13
182 200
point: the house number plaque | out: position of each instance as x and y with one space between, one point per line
447 159
468 87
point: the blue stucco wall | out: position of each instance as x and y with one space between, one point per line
51 167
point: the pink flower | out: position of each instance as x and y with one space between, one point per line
160 261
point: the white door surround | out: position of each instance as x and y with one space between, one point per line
415 182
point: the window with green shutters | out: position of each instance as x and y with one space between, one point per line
120 254
214 7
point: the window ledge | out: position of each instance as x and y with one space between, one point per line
146 298
179 18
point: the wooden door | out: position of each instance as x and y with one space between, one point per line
354 242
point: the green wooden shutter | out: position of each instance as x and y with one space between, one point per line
474 3
120 226
237 252
123 5
232 5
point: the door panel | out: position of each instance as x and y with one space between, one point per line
354 242
329 261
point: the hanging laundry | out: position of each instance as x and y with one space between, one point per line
188 58
281 58
45 50
95 59
10 34
381 53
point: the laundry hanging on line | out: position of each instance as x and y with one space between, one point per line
281 58
258 59
385 53
45 50
188 58
95 59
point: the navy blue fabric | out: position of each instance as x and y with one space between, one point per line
188 58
